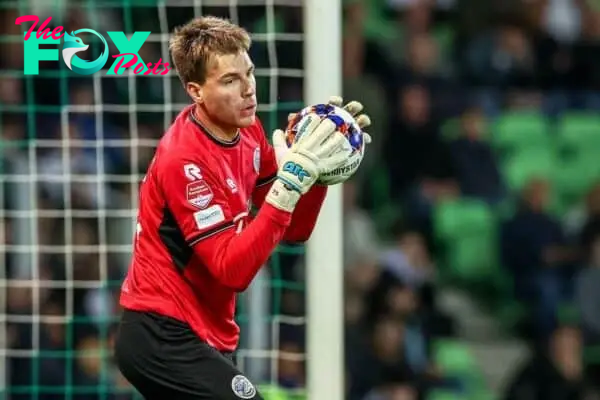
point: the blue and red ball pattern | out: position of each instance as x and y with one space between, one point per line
345 124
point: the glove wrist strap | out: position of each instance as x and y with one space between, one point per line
282 198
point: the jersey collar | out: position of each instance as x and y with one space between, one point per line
211 136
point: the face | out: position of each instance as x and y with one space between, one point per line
473 124
537 194
388 337
402 301
228 95
423 53
415 105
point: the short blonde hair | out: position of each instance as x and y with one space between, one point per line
194 44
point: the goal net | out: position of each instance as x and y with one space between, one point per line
73 151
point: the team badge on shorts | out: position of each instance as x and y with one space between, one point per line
199 194
242 387
257 159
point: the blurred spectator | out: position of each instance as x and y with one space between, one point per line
361 242
562 19
502 57
381 356
475 161
587 294
591 227
291 366
409 260
533 248
422 61
582 221
419 162
554 373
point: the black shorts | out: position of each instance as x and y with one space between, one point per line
164 360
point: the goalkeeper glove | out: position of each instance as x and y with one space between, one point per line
321 148
354 108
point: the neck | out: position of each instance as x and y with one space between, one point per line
224 133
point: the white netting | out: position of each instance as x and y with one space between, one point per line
74 149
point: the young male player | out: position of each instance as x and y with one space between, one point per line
196 245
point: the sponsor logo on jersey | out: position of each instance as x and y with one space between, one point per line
192 172
209 217
257 160
242 387
232 185
199 194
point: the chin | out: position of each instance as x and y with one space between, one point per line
245 122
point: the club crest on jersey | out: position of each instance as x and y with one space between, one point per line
257 160
199 194
242 387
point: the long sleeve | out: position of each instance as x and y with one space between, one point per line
308 208
235 258
202 210
305 215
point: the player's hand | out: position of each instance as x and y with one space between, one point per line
319 148
354 108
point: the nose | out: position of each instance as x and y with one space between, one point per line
249 89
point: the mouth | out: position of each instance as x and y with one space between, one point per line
248 111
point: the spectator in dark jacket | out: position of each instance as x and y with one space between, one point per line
554 373
533 249
476 166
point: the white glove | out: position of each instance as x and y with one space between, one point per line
354 108
319 147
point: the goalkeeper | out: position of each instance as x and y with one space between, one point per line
196 245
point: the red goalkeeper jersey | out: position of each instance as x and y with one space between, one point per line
196 243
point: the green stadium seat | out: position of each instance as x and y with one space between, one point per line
471 259
578 141
576 173
453 357
460 217
444 36
466 228
270 392
273 392
521 167
579 128
514 131
444 395
377 25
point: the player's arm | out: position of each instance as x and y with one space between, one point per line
198 201
234 256
307 210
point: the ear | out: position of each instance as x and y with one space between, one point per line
194 90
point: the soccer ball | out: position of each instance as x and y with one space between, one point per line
345 124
